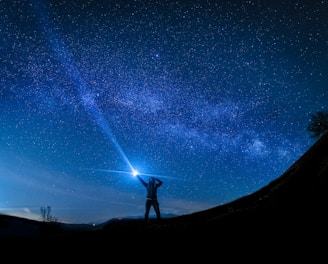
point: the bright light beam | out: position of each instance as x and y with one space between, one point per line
86 96
68 63
104 125
113 171
134 173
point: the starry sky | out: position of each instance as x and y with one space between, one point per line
212 97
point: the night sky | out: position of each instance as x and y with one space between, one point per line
212 97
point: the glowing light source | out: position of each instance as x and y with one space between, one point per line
135 173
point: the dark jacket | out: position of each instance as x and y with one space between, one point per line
151 187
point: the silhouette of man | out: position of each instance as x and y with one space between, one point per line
151 198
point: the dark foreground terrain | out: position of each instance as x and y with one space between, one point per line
288 217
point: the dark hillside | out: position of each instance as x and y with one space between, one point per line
298 196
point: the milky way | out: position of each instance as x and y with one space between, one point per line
213 98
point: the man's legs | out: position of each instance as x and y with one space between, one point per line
157 211
147 209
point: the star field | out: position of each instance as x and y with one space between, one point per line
213 98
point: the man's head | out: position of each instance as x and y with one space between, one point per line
151 180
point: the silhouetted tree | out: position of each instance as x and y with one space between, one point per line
46 214
318 124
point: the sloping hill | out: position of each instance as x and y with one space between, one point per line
299 194
297 197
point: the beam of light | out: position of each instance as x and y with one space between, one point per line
104 125
86 96
113 171
134 173
68 63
